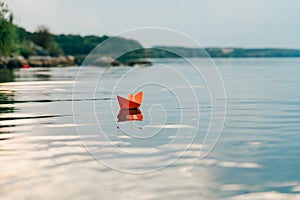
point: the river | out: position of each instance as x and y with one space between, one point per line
62 136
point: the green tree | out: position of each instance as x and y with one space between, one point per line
7 30
42 37
45 39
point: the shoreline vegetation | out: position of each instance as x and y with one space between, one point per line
19 47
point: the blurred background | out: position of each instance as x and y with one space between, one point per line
63 136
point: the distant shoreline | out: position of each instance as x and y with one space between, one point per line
219 52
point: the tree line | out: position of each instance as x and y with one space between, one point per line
15 40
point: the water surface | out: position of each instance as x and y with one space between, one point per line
43 157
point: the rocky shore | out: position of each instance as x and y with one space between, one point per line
103 61
48 61
36 61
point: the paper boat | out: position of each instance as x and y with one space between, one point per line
130 115
132 102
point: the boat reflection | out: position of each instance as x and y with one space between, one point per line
130 115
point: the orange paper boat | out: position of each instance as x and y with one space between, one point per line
132 102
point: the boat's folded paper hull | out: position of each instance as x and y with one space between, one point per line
127 104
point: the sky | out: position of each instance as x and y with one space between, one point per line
212 23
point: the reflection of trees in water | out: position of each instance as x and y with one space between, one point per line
42 74
6 75
6 97
35 74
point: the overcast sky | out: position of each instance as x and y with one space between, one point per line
241 23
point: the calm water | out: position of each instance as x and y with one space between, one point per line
60 137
